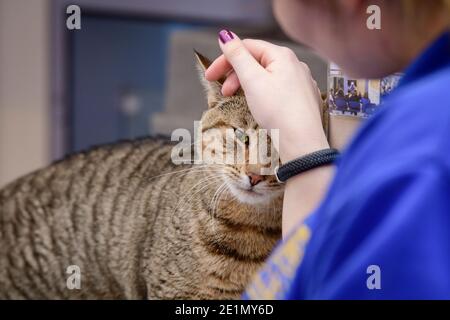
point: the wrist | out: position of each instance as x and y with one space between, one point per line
290 149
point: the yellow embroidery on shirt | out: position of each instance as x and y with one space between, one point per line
276 275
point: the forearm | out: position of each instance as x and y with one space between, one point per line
303 193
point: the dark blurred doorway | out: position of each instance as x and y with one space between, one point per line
118 77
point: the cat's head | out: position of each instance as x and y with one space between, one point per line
242 153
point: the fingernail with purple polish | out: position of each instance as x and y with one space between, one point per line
225 36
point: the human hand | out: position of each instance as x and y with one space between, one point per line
280 91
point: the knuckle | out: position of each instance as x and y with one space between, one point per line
303 66
289 53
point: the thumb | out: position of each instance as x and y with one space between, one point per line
244 64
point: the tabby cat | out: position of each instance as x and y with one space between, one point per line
137 225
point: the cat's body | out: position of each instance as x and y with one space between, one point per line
134 231
137 225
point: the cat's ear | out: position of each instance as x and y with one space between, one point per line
213 88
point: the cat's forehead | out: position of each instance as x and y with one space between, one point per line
232 112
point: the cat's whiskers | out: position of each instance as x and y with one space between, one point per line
218 174
184 202
199 168
201 181
213 204
216 197
208 169
192 195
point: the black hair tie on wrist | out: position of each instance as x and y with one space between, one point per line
305 163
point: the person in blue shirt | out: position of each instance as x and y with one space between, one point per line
376 225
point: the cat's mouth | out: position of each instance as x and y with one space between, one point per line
248 190
249 194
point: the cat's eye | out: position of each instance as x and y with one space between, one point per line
242 136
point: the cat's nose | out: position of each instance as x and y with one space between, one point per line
254 179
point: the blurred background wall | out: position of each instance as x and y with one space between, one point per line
24 87
129 71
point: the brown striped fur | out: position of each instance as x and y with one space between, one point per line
137 225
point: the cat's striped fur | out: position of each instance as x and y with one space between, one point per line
110 213
137 225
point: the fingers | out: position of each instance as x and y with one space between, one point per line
244 61
218 69
231 84
263 52
239 57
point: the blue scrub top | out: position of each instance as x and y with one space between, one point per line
383 229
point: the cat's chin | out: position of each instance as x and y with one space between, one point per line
249 196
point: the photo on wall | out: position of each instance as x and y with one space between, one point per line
357 97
